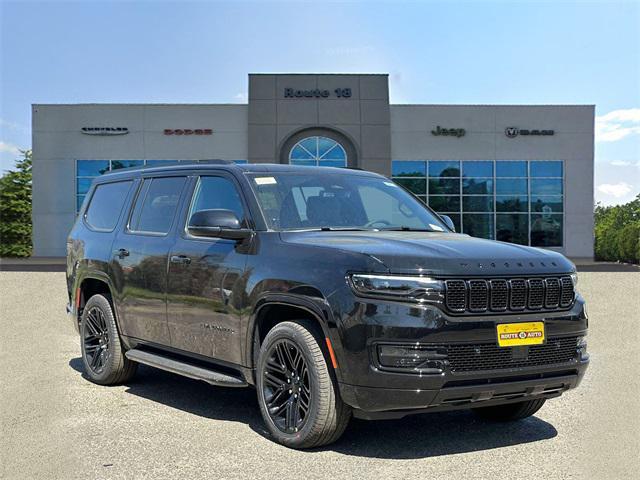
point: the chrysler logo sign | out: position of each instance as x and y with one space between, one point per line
513 132
104 130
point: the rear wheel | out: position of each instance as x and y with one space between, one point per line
102 352
297 393
510 411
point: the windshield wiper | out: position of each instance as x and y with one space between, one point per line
406 229
343 229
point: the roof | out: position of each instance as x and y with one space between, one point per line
204 165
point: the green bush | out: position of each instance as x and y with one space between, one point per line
15 209
617 232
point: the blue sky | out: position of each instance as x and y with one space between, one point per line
473 52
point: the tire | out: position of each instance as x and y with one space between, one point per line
313 383
102 352
510 411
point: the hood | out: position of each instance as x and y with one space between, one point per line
438 253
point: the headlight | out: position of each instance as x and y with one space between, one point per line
418 289
574 279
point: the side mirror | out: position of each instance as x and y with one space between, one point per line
217 223
447 220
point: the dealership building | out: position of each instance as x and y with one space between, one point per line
516 173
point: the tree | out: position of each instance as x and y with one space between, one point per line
15 209
617 232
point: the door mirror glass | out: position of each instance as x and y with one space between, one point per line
217 223
447 220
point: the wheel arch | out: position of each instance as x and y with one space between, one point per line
274 309
90 284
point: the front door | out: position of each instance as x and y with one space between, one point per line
206 286
140 256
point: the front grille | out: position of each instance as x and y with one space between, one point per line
489 356
508 295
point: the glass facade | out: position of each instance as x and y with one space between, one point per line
517 201
87 170
318 151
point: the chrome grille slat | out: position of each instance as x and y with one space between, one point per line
536 293
499 295
479 295
456 295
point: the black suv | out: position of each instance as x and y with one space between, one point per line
334 292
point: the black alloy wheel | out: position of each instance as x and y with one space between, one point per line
297 388
287 387
103 353
97 342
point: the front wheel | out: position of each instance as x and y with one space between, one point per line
298 396
510 411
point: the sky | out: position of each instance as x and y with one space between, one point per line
502 52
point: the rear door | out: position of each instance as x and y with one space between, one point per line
140 256
206 288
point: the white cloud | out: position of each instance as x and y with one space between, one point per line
241 97
9 148
625 163
618 124
13 126
617 190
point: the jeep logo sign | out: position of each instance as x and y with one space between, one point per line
513 132
452 132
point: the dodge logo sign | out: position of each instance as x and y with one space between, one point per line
513 132
104 130
188 131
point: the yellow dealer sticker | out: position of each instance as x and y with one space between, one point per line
517 334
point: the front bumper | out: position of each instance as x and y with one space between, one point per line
387 403
376 392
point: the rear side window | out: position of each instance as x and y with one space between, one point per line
106 204
156 205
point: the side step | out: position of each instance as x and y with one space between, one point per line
185 369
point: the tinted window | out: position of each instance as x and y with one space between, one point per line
217 193
477 169
156 204
511 169
106 205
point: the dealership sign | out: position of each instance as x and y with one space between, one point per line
104 130
451 132
188 131
513 132
317 93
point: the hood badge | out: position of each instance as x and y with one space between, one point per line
506 264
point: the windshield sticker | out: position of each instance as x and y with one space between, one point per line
265 180
437 228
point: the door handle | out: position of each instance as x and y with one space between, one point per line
122 252
180 259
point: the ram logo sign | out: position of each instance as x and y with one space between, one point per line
513 132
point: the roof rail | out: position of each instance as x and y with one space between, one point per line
216 161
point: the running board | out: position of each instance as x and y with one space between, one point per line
185 369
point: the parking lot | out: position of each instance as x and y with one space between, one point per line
56 424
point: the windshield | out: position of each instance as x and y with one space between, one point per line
299 201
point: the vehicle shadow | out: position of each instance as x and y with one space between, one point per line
416 436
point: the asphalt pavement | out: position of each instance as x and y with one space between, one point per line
57 425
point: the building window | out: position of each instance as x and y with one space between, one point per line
515 201
318 151
87 170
